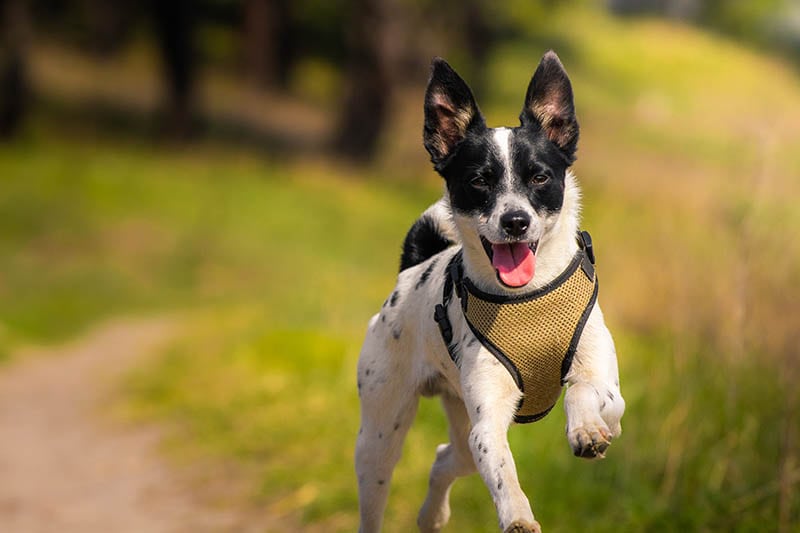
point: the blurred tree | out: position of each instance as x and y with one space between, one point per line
269 41
108 23
385 46
368 75
13 82
174 24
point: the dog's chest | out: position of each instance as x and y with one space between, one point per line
534 336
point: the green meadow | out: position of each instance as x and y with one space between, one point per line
690 170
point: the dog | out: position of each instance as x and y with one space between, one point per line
506 230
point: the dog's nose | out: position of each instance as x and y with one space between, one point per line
515 223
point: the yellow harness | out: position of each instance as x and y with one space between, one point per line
534 335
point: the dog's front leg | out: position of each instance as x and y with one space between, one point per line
491 397
593 401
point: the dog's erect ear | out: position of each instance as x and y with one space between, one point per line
450 111
549 103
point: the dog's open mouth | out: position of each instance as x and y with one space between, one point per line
514 262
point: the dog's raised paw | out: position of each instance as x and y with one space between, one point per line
524 527
590 443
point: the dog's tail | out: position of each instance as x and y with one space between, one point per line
431 233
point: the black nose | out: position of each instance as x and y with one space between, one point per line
515 223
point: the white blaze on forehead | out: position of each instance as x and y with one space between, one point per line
508 199
502 138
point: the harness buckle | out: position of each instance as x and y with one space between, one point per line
446 329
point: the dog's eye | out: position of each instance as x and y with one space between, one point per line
540 179
479 182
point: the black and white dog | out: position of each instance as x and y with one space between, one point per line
510 213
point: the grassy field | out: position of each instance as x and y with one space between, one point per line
689 164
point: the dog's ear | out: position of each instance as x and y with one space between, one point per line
549 104
450 112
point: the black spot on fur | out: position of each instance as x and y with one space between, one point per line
425 275
396 333
380 435
393 299
368 371
423 241
610 395
381 482
478 409
454 349
472 342
396 426
383 318
499 484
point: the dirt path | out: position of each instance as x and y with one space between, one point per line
65 467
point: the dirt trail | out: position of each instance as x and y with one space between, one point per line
65 467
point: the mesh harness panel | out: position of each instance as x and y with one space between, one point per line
534 335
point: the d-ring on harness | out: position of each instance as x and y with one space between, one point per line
534 335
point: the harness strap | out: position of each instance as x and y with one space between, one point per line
452 277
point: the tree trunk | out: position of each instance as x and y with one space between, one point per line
174 23
368 87
269 47
14 94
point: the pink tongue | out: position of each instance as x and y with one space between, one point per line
515 263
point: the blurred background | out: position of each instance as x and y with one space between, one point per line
252 167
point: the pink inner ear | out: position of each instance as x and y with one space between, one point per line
552 116
449 129
441 101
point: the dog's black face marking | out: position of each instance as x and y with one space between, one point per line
481 165
477 176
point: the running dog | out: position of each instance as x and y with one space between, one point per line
495 307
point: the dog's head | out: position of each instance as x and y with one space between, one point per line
506 185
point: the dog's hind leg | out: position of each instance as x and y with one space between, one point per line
388 405
453 460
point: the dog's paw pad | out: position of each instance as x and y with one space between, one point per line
524 527
590 442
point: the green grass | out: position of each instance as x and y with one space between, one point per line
87 232
689 166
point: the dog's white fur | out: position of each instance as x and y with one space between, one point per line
404 356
